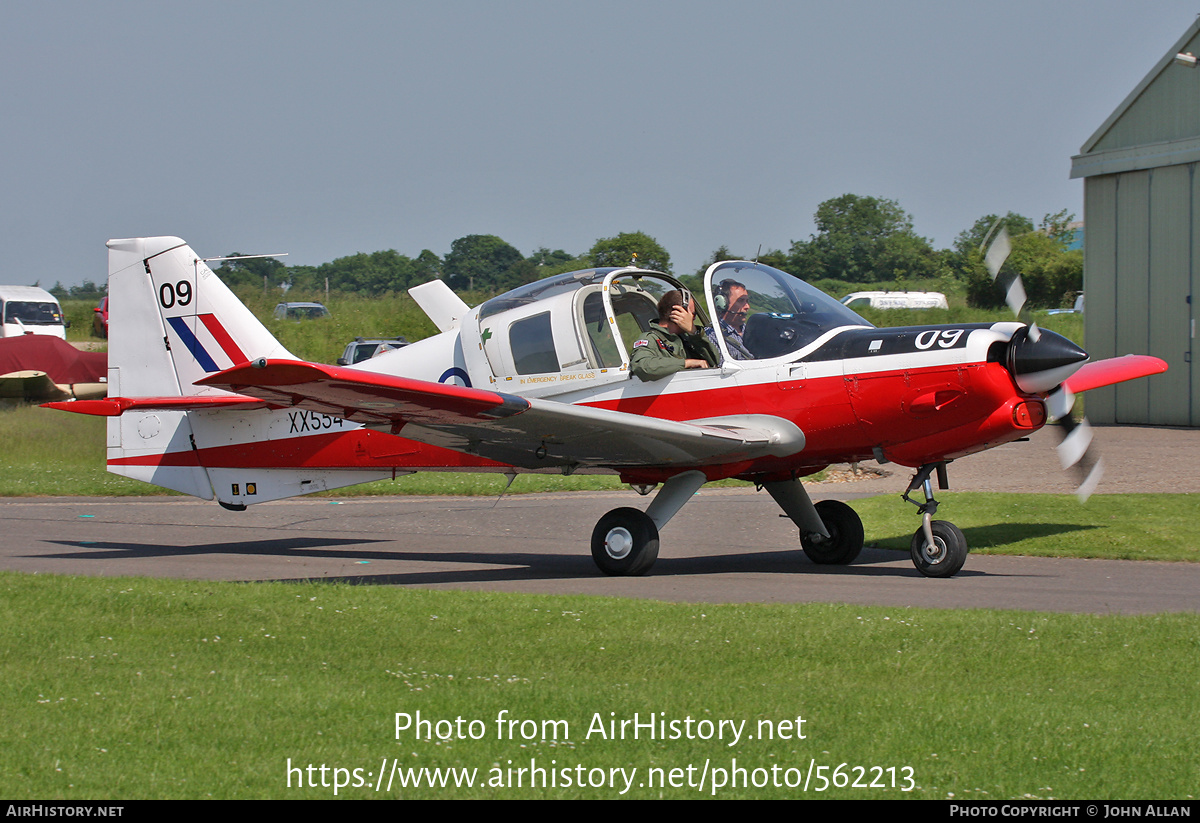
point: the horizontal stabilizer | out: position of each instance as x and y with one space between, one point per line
116 406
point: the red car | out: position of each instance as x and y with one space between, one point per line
100 319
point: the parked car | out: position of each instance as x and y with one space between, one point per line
300 311
895 300
362 348
100 318
30 310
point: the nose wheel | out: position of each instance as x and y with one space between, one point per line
945 555
938 548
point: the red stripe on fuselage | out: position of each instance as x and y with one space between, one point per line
357 449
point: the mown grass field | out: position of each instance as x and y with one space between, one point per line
131 688
1110 526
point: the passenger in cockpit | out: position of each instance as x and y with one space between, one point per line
732 302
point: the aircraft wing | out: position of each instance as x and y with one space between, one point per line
529 433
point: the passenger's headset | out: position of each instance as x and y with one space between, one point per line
721 297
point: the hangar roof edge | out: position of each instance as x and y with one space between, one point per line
1129 100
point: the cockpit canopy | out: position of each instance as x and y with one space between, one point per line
581 326
580 321
761 313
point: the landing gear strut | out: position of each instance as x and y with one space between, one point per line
845 538
938 548
831 532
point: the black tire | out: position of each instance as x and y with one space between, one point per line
625 543
845 539
949 555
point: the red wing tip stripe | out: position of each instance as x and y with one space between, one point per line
293 381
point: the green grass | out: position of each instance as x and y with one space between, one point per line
131 688
78 315
1112 526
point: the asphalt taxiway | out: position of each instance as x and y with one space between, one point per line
727 545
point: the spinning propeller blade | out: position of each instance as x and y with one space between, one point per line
1035 356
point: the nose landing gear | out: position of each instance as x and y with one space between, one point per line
938 548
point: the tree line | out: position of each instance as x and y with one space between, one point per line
477 262
859 240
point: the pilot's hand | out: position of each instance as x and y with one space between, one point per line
692 363
683 318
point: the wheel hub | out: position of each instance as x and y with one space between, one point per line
618 543
936 553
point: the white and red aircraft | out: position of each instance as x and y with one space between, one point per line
204 400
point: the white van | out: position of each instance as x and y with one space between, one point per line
30 310
895 300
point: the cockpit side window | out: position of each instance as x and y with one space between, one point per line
532 342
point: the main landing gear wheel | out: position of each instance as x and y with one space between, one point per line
625 543
845 539
947 555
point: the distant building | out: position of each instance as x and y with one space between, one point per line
1142 245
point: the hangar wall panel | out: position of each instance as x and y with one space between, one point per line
1100 285
1167 109
1132 287
1193 285
1169 286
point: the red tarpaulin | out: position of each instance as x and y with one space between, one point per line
64 363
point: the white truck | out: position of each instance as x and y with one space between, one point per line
30 310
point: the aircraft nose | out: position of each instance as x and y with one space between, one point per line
1040 365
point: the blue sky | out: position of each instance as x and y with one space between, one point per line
325 129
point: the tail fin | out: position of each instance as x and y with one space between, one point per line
172 321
